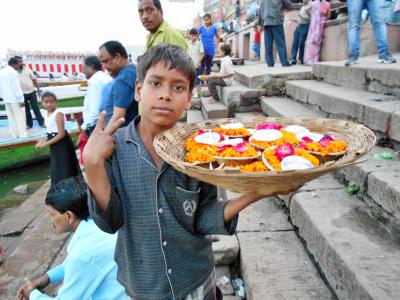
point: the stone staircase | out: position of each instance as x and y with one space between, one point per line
322 242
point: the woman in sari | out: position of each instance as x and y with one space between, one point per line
319 14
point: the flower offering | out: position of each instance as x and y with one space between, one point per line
233 130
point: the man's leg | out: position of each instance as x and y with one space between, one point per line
28 115
11 119
279 38
212 87
268 38
295 45
302 40
35 107
355 8
20 120
375 9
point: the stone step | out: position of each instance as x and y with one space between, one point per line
273 262
260 76
377 180
378 112
368 75
282 106
194 116
356 254
213 110
239 98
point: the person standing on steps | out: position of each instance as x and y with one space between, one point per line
271 17
375 11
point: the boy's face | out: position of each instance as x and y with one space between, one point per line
164 94
193 37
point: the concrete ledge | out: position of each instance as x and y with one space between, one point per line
194 116
282 106
370 109
264 215
255 77
356 254
368 75
213 110
225 248
274 265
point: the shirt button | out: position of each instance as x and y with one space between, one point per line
164 243
169 271
160 210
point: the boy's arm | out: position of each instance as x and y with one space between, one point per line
234 206
103 201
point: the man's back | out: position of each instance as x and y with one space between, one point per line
271 12
92 251
165 34
9 86
122 94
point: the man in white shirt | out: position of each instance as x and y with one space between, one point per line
28 83
97 79
13 98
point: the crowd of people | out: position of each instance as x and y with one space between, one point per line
311 21
139 226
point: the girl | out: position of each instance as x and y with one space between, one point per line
207 34
319 14
63 161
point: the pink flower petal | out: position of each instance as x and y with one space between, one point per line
326 140
269 126
302 146
306 139
240 147
200 131
222 149
284 150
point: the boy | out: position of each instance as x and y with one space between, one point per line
256 42
196 53
89 270
225 75
301 32
162 216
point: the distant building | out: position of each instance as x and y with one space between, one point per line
57 63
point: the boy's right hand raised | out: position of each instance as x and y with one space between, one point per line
100 145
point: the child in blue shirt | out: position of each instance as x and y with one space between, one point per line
162 216
208 33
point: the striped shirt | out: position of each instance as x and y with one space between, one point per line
163 218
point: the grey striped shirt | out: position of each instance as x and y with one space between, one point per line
163 218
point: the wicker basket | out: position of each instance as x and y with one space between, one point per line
360 140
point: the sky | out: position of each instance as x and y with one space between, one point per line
79 25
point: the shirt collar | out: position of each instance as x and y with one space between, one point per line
132 135
83 229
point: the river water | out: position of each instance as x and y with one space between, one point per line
34 175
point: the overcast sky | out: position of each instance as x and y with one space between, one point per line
79 25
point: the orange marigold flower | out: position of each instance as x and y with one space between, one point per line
233 131
231 152
257 166
287 137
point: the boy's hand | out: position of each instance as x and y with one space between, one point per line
100 145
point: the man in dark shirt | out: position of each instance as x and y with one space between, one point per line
271 17
121 102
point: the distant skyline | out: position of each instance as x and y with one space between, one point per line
80 25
